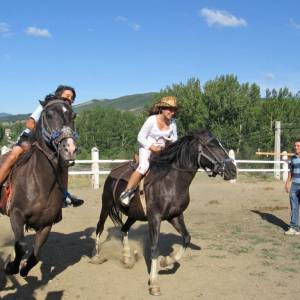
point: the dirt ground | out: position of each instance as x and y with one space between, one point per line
238 249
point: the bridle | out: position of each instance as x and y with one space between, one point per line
53 138
218 165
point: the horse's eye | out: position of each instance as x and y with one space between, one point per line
49 113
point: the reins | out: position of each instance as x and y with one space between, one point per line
219 165
53 138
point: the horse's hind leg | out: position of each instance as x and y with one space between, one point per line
17 224
106 206
179 225
127 258
39 240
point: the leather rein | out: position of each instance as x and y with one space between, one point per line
219 165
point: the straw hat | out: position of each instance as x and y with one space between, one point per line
168 101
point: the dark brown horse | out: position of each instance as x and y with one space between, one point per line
37 182
166 190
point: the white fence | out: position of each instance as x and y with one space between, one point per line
95 163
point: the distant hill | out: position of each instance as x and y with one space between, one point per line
133 103
4 115
7 118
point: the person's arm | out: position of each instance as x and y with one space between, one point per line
143 134
34 118
30 123
289 179
174 136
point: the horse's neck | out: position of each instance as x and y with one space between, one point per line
185 177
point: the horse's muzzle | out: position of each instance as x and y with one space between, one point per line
68 149
230 171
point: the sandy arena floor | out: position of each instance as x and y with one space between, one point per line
238 249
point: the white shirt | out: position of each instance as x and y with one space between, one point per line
37 113
151 134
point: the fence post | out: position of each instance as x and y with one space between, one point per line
285 166
4 149
277 150
231 155
95 167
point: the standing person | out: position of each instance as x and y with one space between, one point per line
159 127
292 186
23 144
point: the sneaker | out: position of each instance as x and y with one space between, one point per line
72 201
126 196
292 231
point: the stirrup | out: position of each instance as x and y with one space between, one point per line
126 196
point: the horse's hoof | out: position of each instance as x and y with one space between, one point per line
97 260
154 290
163 262
136 256
166 261
11 269
128 262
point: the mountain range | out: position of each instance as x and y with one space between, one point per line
134 103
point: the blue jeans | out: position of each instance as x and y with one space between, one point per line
294 201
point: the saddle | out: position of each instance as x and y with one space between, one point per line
123 172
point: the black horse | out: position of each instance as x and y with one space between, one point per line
166 189
38 181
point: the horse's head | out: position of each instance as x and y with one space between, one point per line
212 155
56 127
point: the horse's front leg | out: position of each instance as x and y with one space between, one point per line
17 225
179 225
127 258
154 230
39 240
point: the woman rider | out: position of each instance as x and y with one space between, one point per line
158 128
23 144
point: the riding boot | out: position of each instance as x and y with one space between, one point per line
6 166
128 194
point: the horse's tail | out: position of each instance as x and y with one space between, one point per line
115 214
110 196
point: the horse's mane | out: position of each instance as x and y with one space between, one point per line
37 135
183 153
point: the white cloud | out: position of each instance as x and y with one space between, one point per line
34 31
215 17
5 29
269 76
121 19
294 24
133 26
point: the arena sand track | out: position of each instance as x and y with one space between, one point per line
238 250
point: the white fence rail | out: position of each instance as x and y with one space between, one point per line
95 163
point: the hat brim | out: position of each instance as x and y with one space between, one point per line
165 105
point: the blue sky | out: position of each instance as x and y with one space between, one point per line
107 49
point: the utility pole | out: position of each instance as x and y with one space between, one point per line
277 150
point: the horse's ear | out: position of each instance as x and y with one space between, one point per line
42 103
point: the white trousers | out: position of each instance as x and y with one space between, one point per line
144 155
